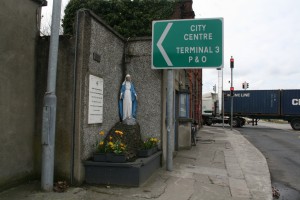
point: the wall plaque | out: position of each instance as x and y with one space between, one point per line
95 112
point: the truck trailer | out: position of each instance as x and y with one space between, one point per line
261 104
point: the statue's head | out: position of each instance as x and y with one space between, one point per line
128 77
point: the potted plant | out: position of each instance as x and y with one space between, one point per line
116 152
99 155
115 148
149 147
110 149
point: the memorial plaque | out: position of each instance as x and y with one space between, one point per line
95 113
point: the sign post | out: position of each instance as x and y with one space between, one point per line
182 44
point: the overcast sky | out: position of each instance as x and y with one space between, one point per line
263 36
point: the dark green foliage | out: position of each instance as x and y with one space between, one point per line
129 18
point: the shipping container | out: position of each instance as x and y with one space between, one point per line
260 104
253 102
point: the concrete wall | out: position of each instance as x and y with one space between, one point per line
64 93
148 84
96 37
184 134
18 22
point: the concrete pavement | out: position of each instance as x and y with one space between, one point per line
223 165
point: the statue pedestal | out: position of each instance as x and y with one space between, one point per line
131 137
129 121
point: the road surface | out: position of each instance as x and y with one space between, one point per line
280 144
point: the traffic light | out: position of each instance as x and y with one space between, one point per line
231 91
245 85
231 62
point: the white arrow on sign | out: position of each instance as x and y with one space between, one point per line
160 47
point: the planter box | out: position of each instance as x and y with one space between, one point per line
111 157
124 174
99 157
147 152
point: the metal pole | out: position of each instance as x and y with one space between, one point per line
49 109
222 101
170 130
231 113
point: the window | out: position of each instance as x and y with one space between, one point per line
184 104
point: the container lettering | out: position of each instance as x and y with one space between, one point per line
296 102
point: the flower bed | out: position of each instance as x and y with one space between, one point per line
124 174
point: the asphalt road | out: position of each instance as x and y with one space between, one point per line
280 144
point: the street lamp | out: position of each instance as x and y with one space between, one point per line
231 90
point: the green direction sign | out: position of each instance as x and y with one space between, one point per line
195 43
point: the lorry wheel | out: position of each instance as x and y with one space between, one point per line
235 122
242 122
209 122
295 123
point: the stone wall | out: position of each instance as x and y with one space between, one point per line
95 37
148 84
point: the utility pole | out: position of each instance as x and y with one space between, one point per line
49 109
221 95
231 90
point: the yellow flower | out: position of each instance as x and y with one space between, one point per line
101 143
150 142
101 133
111 144
119 132
110 138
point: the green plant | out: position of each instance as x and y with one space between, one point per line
114 143
129 18
150 143
119 147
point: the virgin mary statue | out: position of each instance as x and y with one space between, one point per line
128 100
